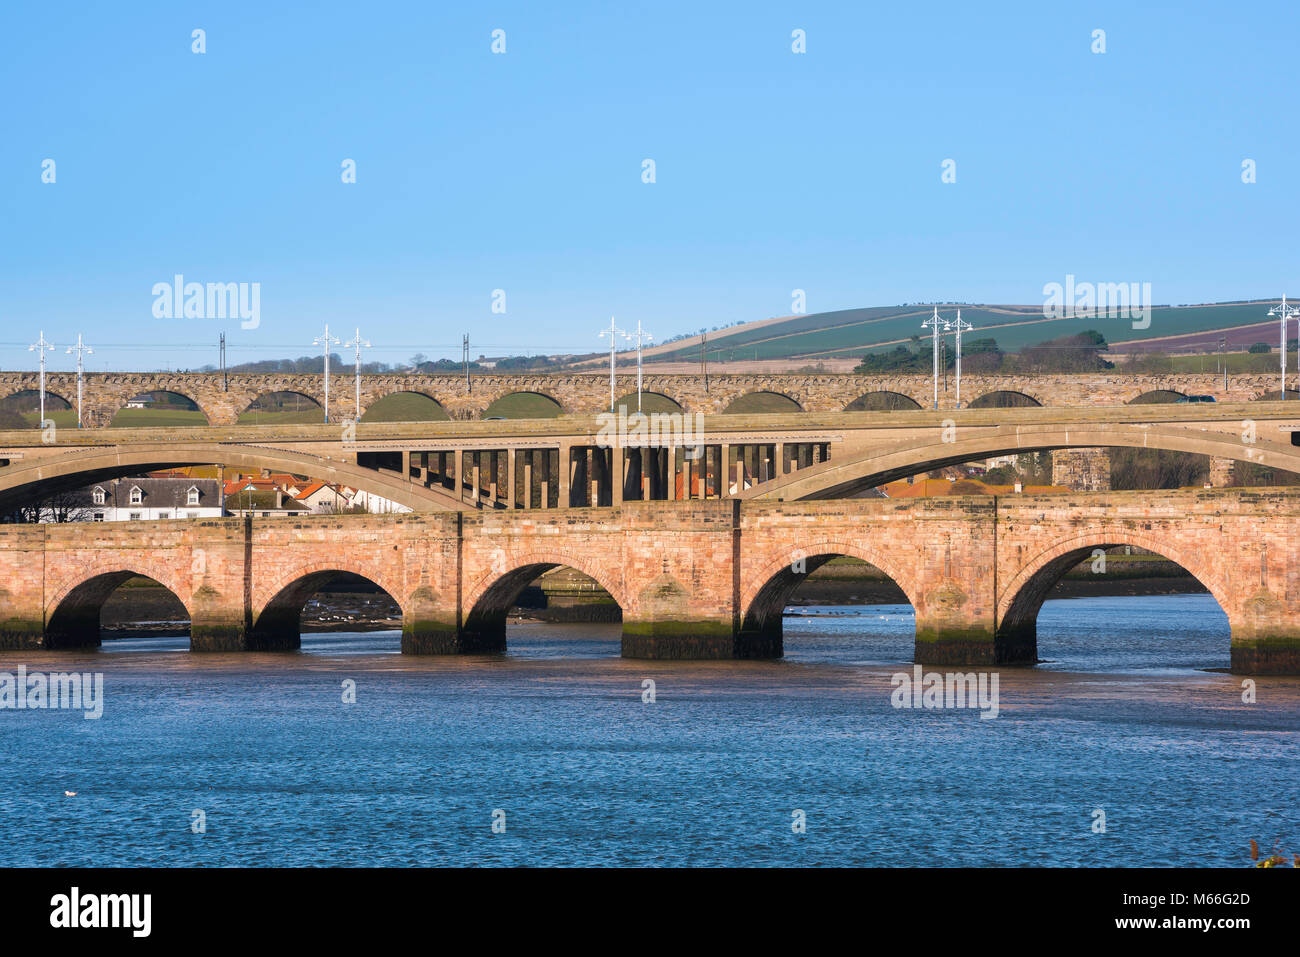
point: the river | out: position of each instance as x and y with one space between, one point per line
1126 717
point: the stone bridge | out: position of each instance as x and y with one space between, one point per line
704 579
223 398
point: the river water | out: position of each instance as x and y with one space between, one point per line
1126 717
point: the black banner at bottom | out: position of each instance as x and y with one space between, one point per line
335 906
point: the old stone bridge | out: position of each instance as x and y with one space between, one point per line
223 398
694 580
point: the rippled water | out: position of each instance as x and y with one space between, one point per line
1123 717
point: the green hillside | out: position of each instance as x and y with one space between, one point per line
853 332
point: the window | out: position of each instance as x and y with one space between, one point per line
97 496
164 514
137 496
99 516
134 516
191 514
192 497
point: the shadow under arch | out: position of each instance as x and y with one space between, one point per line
1157 397
484 631
763 401
1016 637
284 407
762 622
278 626
524 404
1003 399
159 408
405 405
76 619
882 400
651 402
21 410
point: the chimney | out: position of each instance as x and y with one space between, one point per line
279 497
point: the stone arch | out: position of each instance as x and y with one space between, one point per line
73 608
1023 596
495 593
119 405
278 607
530 401
1004 399
882 400
374 411
312 408
768 591
1155 397
651 402
742 403
11 417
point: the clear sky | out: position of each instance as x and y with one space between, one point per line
522 171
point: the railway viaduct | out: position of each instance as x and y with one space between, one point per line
223 398
704 579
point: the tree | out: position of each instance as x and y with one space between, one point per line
1260 348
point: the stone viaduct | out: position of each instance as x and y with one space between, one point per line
693 580
223 399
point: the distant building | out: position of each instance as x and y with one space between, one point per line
142 500
263 503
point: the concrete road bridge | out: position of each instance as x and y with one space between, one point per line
599 461
699 579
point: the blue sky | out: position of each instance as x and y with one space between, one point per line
522 171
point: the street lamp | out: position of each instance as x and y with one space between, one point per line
79 348
358 343
640 335
958 324
325 341
41 346
613 332
1284 312
938 325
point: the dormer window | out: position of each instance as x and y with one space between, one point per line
97 496
137 496
192 496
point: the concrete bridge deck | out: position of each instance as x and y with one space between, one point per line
701 579
579 461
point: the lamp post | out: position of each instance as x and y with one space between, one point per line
42 346
959 324
326 341
79 348
613 332
358 343
639 336
1284 312
936 324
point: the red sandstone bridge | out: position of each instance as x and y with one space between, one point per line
700 552
693 580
